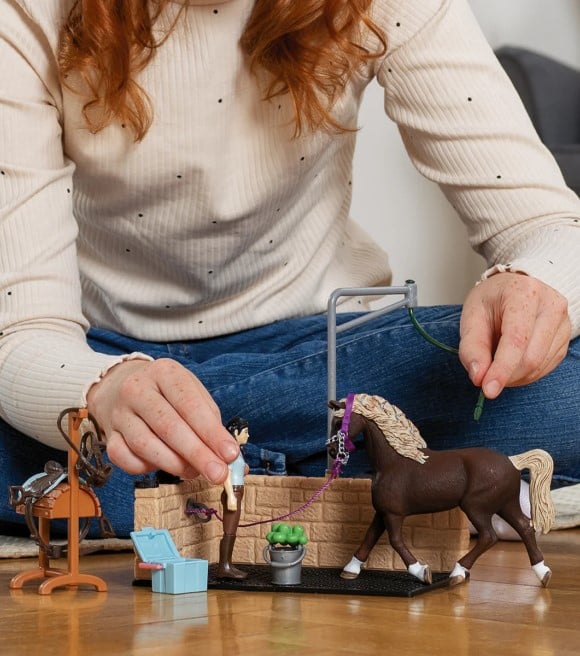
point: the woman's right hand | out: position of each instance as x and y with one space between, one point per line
158 415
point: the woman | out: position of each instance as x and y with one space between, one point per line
176 180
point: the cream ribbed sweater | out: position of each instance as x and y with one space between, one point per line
218 220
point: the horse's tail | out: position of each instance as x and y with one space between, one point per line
541 466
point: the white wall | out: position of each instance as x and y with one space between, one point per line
548 26
407 214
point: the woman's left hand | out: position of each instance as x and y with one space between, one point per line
514 330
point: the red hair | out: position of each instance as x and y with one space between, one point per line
310 48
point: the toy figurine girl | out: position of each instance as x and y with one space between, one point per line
232 501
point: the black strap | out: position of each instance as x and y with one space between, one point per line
92 470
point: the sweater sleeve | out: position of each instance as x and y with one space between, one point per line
45 362
465 128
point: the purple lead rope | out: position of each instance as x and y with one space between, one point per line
334 473
350 447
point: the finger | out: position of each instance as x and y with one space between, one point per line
169 384
547 348
477 341
516 331
178 436
135 462
198 410
559 355
146 445
167 425
122 456
202 390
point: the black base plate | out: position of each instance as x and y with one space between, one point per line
327 580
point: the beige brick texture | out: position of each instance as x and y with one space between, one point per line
336 522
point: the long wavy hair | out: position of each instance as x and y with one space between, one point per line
310 48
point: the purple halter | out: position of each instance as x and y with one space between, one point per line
345 444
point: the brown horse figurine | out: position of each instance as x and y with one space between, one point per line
410 479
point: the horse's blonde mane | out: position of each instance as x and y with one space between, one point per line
399 431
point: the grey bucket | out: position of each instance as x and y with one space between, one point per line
286 564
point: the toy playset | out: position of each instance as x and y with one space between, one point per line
423 488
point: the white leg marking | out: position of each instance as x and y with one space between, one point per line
459 571
352 569
543 572
418 570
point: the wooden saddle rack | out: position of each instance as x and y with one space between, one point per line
68 499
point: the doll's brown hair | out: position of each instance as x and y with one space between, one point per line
310 48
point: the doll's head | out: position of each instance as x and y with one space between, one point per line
238 429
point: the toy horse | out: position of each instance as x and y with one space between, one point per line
410 479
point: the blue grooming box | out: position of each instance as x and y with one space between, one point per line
177 575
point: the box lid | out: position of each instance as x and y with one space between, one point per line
154 545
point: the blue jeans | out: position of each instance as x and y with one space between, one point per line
275 377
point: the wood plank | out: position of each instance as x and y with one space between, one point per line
502 610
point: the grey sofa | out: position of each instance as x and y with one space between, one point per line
550 92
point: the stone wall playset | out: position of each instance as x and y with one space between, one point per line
335 522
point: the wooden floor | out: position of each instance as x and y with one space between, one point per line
501 611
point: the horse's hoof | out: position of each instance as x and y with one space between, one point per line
458 575
420 572
546 578
543 572
348 575
456 580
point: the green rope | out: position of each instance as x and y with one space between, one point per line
427 336
478 411
479 406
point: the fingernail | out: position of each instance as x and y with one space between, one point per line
215 471
473 368
491 389
190 473
229 450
